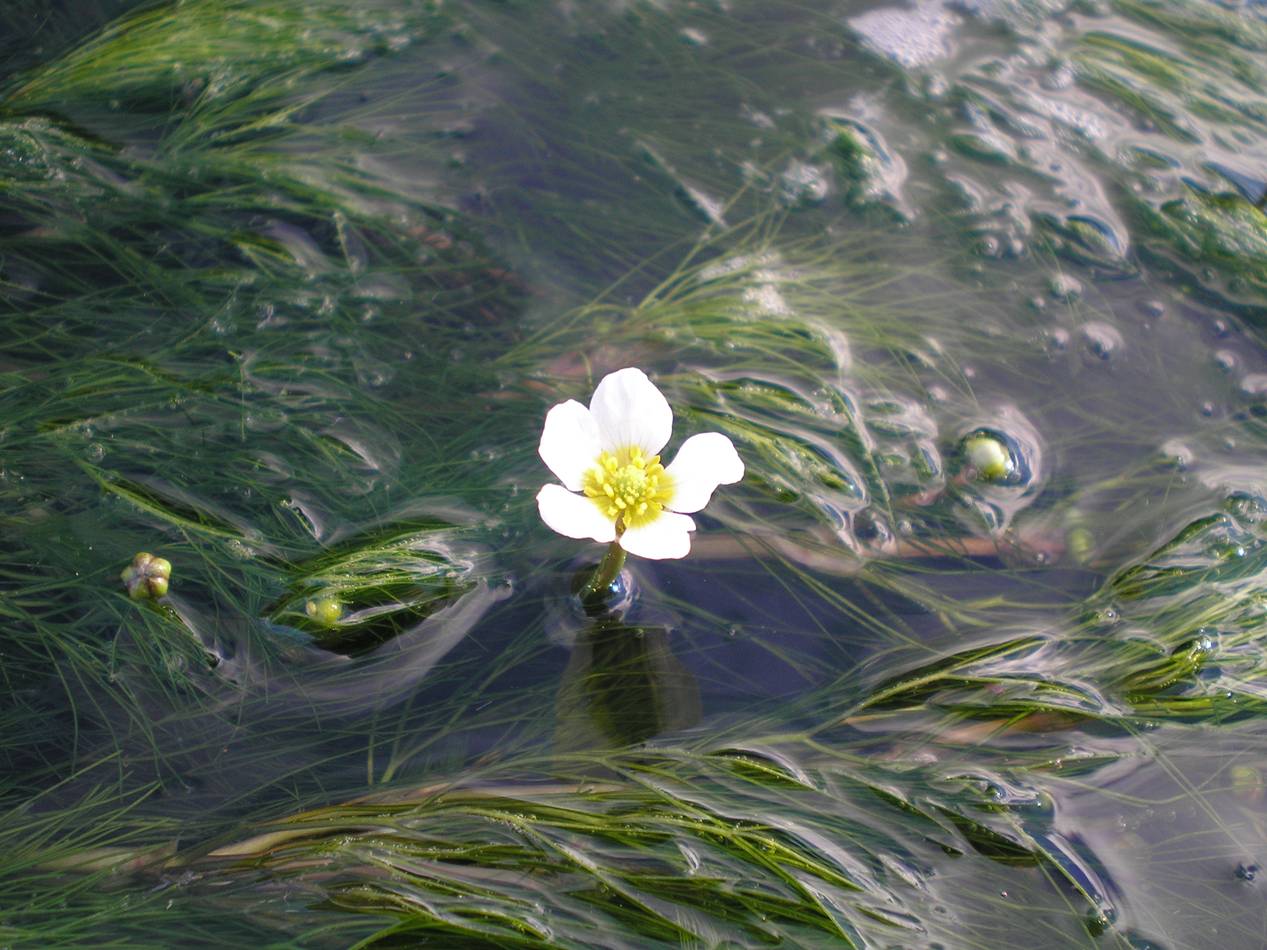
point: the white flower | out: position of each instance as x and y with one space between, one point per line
614 487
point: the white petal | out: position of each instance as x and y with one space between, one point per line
630 411
702 463
668 536
569 442
573 515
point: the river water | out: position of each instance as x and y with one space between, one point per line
288 290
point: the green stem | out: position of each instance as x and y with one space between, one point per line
606 573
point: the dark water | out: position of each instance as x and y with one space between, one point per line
289 289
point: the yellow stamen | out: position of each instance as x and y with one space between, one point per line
628 487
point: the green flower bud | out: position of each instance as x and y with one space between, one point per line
325 611
1081 544
988 458
147 577
1246 779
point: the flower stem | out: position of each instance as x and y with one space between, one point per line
606 573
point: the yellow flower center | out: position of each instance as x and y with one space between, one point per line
628 487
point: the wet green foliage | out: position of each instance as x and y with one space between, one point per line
1223 234
367 590
686 844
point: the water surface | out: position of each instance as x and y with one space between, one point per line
289 289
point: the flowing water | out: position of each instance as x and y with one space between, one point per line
287 290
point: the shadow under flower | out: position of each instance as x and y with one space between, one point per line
622 686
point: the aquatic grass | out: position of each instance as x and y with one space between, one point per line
1196 80
193 52
1217 241
1158 85
988 684
623 844
1159 641
765 337
143 375
632 812
429 894
1195 25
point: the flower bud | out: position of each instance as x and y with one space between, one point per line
988 458
325 611
147 577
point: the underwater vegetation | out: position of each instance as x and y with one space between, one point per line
962 307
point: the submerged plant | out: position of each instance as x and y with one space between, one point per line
614 488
